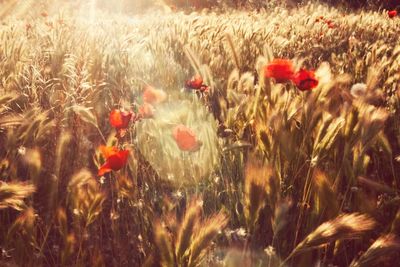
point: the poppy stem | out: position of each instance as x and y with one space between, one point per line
101 134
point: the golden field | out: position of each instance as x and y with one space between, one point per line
278 176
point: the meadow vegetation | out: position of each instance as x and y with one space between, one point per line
281 173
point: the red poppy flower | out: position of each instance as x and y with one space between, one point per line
115 159
330 24
146 110
392 13
120 119
305 80
195 83
185 138
153 96
279 69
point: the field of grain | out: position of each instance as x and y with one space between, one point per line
176 137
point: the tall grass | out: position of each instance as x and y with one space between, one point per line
282 178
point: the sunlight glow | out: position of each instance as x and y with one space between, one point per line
16 8
92 10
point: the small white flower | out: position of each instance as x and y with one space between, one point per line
270 251
22 150
241 232
178 194
76 212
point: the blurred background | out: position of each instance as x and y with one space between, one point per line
138 6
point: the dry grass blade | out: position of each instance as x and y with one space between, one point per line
372 120
233 50
325 197
12 195
33 160
347 226
194 61
233 80
205 234
375 186
85 114
164 246
395 227
69 246
61 152
79 179
7 98
256 189
61 219
85 197
24 224
383 246
281 214
186 229
332 132
10 121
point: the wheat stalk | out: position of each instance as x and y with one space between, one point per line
347 226
186 230
383 246
12 194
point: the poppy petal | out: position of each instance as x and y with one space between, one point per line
108 151
195 83
305 80
185 138
115 118
279 69
154 96
392 13
118 160
105 168
115 160
120 119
